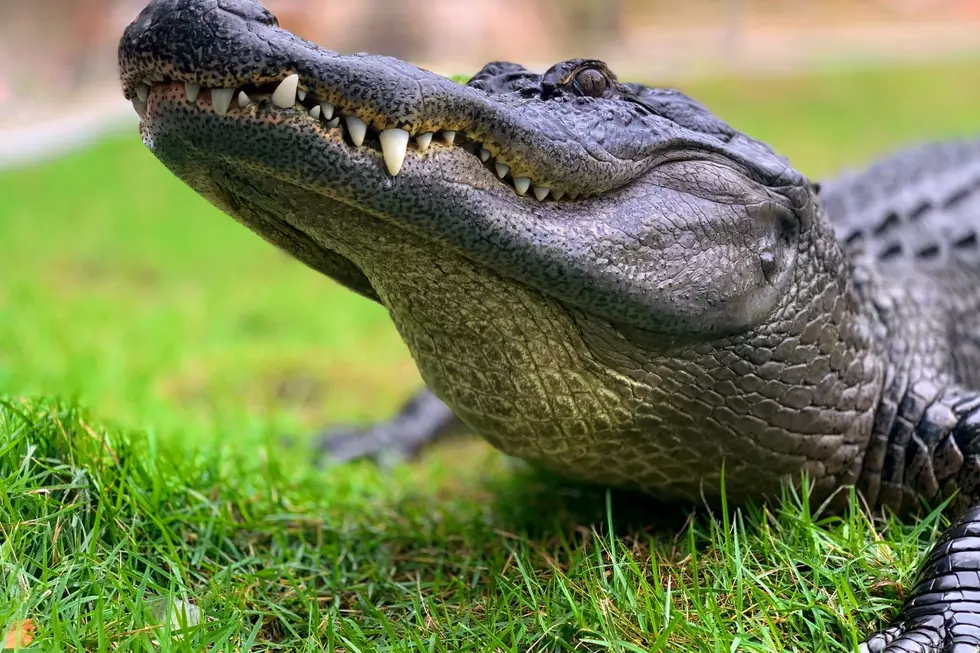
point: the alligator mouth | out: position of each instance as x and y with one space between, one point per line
541 136
290 94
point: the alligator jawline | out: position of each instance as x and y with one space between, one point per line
393 143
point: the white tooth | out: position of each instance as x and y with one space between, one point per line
502 169
424 140
522 184
147 81
485 155
221 99
191 90
327 110
333 123
157 77
300 94
357 129
142 92
572 196
557 194
285 94
243 100
541 192
315 112
449 136
139 106
394 142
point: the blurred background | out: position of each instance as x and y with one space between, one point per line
67 48
119 287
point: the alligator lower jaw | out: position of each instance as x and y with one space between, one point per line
289 98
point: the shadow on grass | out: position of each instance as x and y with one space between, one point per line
531 495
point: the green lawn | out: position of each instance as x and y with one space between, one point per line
153 353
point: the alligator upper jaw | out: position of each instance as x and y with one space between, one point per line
578 147
217 48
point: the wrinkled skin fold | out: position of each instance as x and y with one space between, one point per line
604 278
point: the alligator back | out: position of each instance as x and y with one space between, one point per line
912 220
919 204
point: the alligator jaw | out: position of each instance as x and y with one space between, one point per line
372 99
285 102
544 141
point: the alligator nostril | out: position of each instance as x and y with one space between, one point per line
768 263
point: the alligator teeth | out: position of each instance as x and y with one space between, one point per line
243 100
357 129
142 92
394 143
485 155
139 106
572 196
191 90
157 77
423 141
557 194
315 112
522 184
327 110
221 99
300 94
285 94
502 169
450 136
541 192
333 123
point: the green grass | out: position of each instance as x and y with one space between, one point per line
152 353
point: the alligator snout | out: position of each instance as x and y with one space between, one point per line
202 11
180 32
575 132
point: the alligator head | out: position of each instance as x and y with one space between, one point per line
578 265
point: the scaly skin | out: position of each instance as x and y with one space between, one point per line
606 279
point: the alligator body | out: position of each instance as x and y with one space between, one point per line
606 279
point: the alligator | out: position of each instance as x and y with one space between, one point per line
606 279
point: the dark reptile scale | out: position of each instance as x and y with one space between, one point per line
915 213
701 307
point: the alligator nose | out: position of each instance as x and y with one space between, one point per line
250 10
170 29
162 13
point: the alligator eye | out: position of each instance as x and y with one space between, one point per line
591 82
